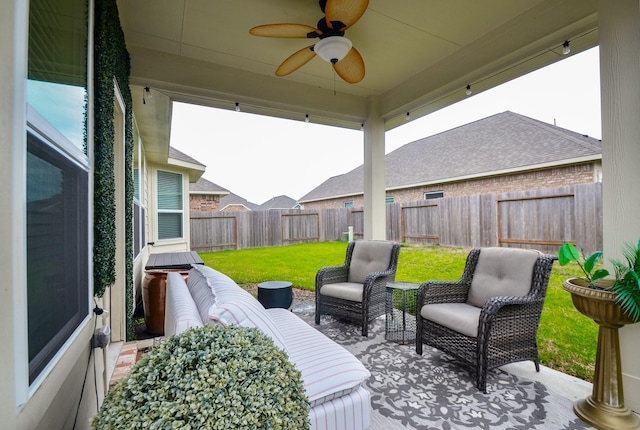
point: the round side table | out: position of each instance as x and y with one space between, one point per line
401 298
275 294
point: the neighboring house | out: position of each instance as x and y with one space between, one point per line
279 202
501 153
205 196
235 203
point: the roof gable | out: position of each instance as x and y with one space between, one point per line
499 143
236 200
278 202
204 186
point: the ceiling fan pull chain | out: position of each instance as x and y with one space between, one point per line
334 81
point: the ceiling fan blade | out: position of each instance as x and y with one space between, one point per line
345 11
351 67
286 30
295 61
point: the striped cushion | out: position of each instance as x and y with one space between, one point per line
233 305
349 412
200 290
180 313
328 370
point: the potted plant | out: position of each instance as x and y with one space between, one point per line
220 377
623 287
612 302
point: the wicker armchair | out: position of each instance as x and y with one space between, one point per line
355 291
490 316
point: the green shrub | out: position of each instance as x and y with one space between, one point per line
221 377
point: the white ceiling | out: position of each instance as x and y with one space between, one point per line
419 54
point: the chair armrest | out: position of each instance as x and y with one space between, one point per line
507 307
495 304
377 280
443 292
331 275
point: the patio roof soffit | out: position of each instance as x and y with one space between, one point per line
419 57
153 119
486 63
192 81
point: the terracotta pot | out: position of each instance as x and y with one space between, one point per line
605 408
154 290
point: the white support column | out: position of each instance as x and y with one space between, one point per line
14 355
619 32
375 215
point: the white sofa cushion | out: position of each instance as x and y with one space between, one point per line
502 272
201 291
180 311
328 370
233 305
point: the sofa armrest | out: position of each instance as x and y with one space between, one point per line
180 311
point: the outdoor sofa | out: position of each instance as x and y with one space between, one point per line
333 378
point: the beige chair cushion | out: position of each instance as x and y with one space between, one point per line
460 317
502 272
343 290
368 257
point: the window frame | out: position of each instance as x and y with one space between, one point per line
430 195
33 122
139 212
50 136
160 211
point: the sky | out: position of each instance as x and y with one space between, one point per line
259 157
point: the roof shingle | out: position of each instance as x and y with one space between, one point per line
505 141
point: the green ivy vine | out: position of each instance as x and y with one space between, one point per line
111 61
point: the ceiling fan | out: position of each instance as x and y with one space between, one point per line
332 46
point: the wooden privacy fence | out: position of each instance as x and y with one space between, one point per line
541 219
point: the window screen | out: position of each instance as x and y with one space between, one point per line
57 251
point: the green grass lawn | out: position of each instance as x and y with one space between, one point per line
566 339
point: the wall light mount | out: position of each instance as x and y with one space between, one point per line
146 95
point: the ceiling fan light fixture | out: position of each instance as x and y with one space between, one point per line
333 48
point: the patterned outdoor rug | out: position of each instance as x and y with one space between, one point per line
432 392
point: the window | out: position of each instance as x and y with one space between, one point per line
169 205
433 195
57 173
348 204
139 216
57 250
388 200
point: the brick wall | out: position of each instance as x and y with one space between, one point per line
204 202
547 178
